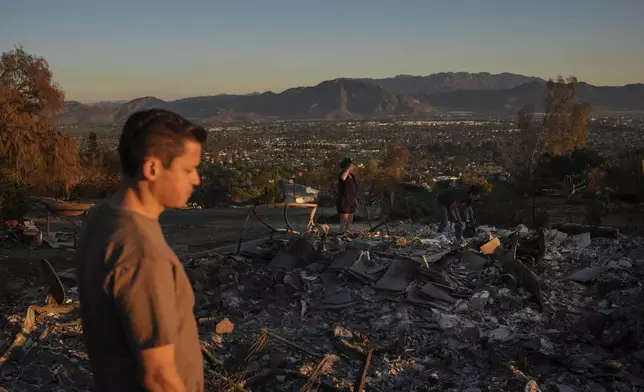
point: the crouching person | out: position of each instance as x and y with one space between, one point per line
449 203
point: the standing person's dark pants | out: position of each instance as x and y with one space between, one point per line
445 220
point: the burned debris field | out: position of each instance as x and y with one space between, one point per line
551 310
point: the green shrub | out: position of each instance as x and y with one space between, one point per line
13 195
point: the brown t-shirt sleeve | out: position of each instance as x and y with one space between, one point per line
145 301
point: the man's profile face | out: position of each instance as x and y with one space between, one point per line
174 185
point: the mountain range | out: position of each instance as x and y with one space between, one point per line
402 95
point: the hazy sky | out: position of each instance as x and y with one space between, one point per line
117 49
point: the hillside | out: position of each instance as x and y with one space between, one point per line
625 98
76 113
329 98
452 81
356 98
347 98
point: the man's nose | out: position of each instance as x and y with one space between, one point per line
196 180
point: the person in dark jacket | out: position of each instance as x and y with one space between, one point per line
449 202
347 201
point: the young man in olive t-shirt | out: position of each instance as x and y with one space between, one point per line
136 300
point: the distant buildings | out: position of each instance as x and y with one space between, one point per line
297 193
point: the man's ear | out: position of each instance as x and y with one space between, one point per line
151 168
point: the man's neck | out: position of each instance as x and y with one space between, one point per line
135 197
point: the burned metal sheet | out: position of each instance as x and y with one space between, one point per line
330 280
302 248
431 291
296 253
367 271
56 288
400 273
285 261
587 274
524 276
434 258
415 298
345 259
337 299
317 267
471 261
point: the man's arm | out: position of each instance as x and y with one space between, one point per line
454 211
346 172
144 296
469 214
160 370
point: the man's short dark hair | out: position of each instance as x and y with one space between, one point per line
345 163
475 190
155 132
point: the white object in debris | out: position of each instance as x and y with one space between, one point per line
546 347
625 263
522 229
446 321
503 291
431 241
502 334
479 300
581 241
557 236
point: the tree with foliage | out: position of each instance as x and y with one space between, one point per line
325 176
93 152
583 159
395 163
625 171
30 145
581 170
563 128
13 195
476 177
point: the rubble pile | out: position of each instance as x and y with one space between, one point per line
549 310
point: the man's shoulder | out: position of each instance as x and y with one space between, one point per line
126 238
455 191
452 194
448 191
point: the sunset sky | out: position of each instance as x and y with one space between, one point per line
112 50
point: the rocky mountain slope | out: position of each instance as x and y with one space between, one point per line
452 81
481 93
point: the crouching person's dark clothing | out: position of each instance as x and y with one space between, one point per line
444 201
446 219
